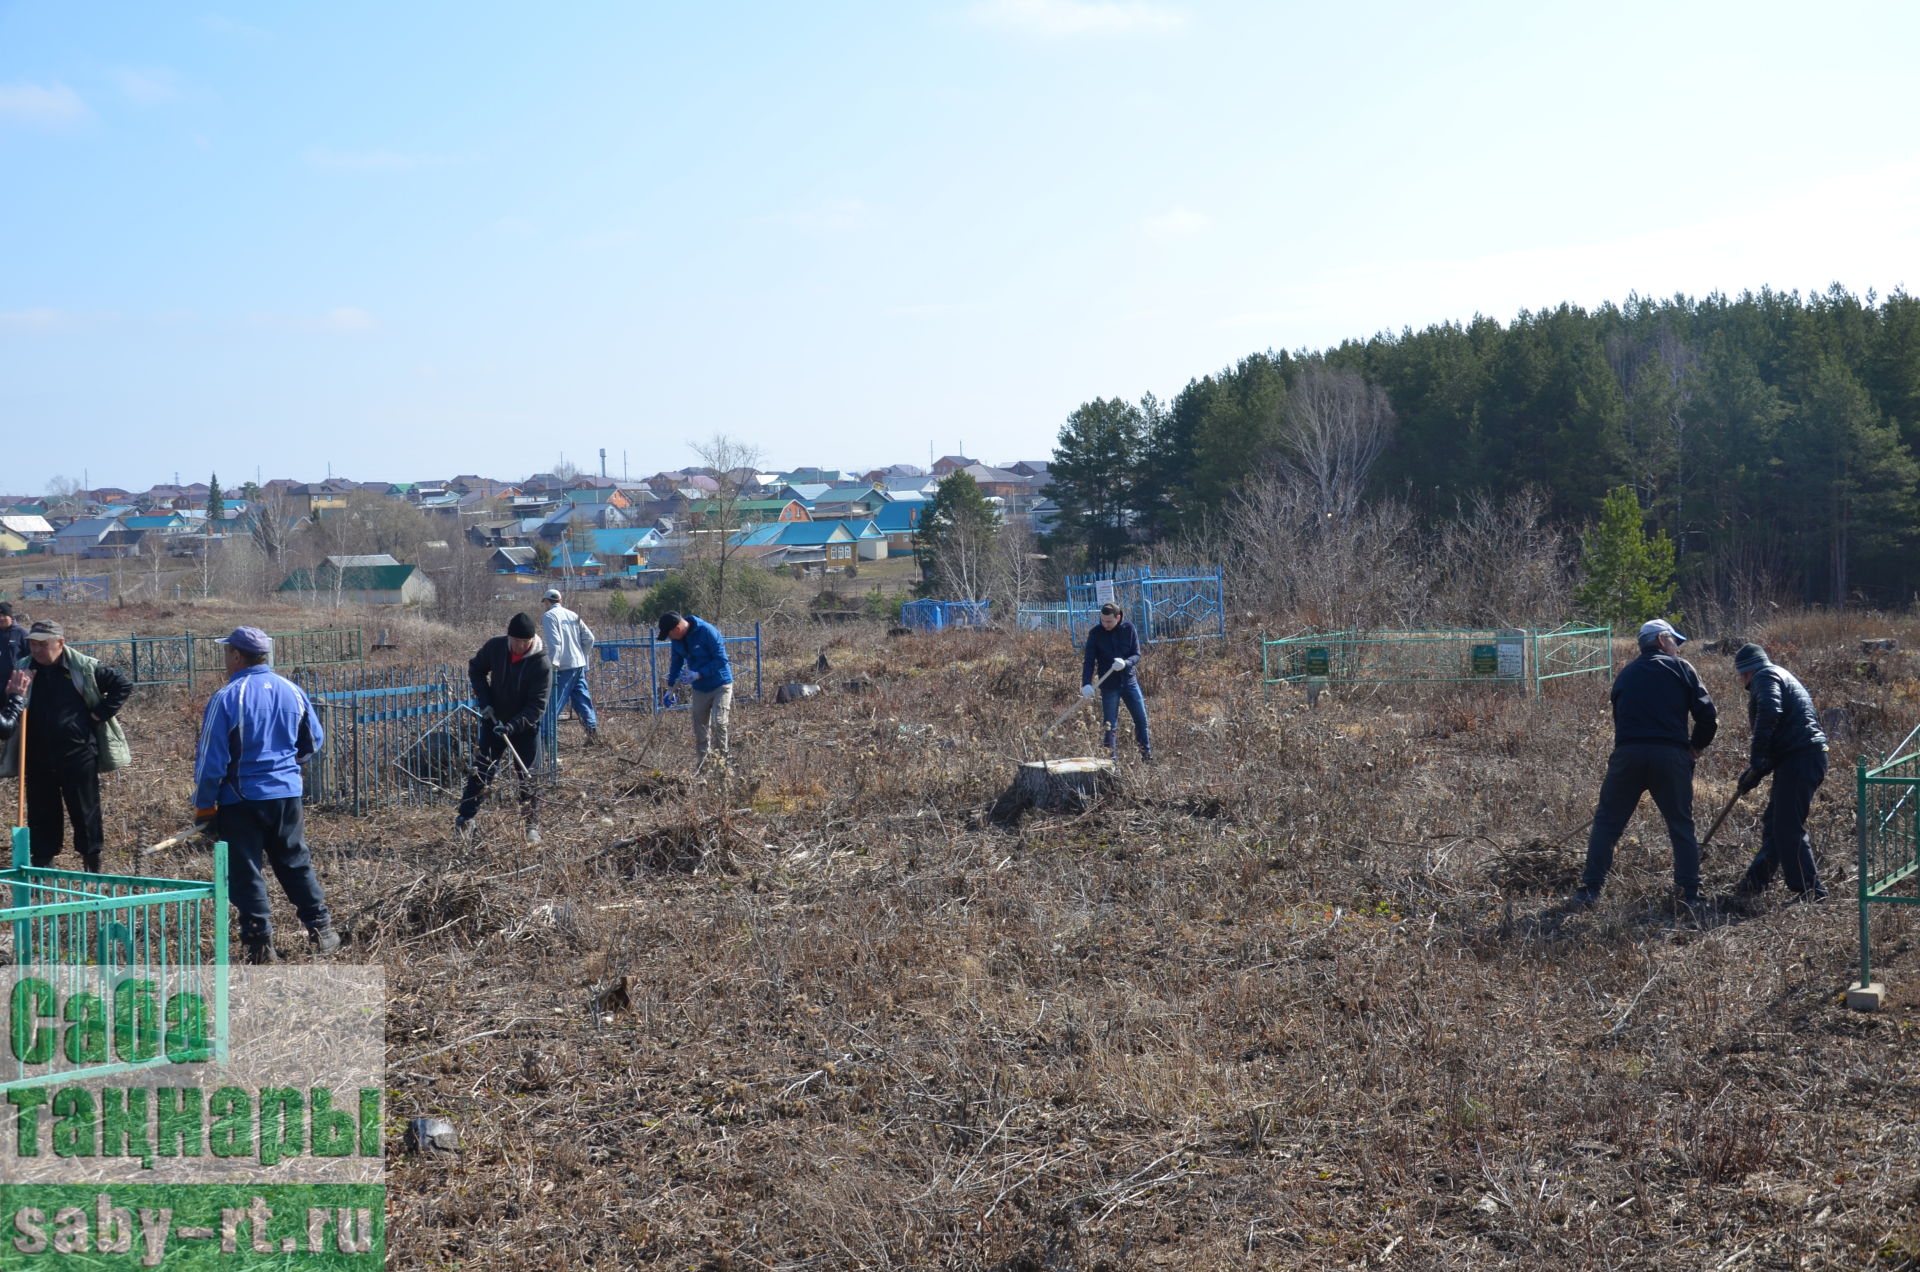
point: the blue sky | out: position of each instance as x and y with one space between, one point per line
420 239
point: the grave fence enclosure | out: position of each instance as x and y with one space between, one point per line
1888 827
1517 657
629 671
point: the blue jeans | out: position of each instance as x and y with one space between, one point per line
1784 844
1111 696
1636 769
569 689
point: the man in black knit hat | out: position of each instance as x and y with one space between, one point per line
510 682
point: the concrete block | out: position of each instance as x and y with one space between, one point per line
1866 997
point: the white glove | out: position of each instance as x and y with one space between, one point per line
1086 691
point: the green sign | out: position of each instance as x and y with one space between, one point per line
1319 660
1486 660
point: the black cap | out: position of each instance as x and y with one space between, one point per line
6 607
522 626
668 621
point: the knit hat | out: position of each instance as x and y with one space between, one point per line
1749 658
521 626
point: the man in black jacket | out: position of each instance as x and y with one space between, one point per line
1653 752
67 699
13 637
510 684
1788 743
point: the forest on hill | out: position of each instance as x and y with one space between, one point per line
1772 437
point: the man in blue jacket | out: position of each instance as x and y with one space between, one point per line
700 649
1789 744
254 734
1653 752
1113 651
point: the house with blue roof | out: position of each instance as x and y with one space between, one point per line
800 543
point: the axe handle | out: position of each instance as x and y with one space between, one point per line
1075 704
179 837
1737 793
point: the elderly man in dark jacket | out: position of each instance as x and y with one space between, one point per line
1787 743
13 637
71 736
510 681
1653 752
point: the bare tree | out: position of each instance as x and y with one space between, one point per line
1286 556
1016 567
1333 426
717 524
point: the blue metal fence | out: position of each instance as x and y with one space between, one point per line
938 616
1164 604
395 735
631 670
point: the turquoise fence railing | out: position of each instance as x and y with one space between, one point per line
1888 827
143 959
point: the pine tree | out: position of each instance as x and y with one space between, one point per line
1628 577
216 505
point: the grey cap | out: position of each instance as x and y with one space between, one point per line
1750 657
551 594
1652 630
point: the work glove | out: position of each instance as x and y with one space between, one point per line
1750 779
1086 691
486 713
203 820
667 699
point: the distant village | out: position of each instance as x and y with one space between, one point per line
590 530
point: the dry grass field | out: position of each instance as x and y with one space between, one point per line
1299 997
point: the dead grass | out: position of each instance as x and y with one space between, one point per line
1298 998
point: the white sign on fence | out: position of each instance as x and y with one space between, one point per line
1103 591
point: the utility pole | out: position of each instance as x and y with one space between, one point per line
603 463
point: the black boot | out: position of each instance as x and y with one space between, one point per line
90 862
261 952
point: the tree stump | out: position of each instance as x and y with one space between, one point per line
1071 785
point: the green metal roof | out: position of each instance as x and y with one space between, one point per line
355 578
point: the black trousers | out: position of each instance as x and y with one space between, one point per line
270 832
1645 768
55 796
493 753
1785 845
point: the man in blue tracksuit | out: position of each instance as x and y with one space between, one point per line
1788 743
1653 752
700 649
254 733
1113 651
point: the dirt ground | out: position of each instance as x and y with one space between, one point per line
1299 996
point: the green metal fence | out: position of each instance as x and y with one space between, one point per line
1520 657
144 959
1889 834
187 658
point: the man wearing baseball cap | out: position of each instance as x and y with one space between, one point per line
701 651
1653 753
569 644
247 789
72 736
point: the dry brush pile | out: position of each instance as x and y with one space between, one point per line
1299 997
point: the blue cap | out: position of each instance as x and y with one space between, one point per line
248 640
1650 632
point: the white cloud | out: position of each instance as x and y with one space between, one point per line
367 160
35 320
153 87
1179 223
1076 17
347 319
48 106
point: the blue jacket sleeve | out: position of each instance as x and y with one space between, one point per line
216 754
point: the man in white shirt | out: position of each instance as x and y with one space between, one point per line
569 644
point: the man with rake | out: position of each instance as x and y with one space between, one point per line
510 681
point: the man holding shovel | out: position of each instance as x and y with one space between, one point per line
1653 753
71 736
510 682
1787 743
